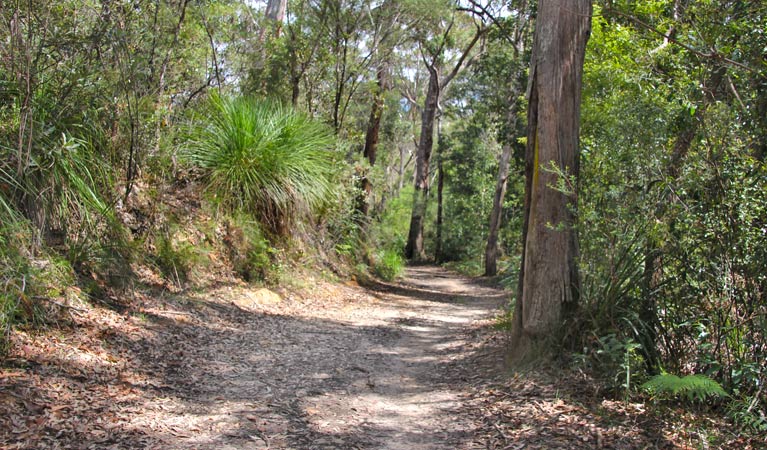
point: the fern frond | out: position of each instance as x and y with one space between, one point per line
692 387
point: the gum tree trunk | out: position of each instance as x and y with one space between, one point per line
491 250
549 280
376 111
414 248
275 11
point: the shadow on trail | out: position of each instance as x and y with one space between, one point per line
415 287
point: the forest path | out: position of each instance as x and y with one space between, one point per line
384 372
320 365
405 385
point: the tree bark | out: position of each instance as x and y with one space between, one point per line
376 111
275 11
414 249
440 189
491 249
549 280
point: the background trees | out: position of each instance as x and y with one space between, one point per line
434 41
662 122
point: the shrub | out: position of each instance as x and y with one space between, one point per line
388 264
746 413
61 188
615 360
176 257
250 251
263 158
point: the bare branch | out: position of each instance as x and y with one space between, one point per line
459 65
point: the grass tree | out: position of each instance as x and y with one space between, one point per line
263 158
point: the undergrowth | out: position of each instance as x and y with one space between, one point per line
252 255
691 387
387 263
386 237
17 278
177 258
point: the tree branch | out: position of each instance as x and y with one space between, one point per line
459 64
713 54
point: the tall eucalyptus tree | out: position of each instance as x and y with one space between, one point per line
549 281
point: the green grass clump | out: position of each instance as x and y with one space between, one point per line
388 264
18 283
264 158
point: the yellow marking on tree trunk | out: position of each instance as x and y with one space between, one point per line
535 160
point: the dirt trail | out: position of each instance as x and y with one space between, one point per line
381 374
406 393
326 366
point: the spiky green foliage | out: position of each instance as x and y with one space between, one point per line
17 276
66 175
388 264
262 157
8 184
691 387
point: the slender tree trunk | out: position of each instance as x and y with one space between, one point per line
295 91
549 279
414 249
296 69
275 11
440 188
362 202
371 144
376 112
491 249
